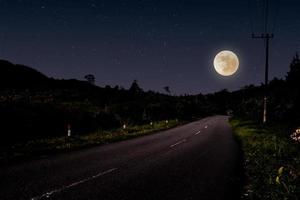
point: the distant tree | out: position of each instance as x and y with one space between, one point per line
107 87
116 87
293 76
90 78
293 80
167 89
135 88
248 87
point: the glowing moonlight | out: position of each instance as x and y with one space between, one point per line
226 63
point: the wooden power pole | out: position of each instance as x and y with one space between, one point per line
266 37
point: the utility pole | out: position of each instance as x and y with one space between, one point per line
266 37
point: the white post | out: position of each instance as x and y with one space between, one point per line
69 130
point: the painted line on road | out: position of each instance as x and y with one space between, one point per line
198 133
48 194
177 143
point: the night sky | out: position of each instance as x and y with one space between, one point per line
158 42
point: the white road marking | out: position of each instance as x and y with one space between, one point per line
198 133
177 143
48 194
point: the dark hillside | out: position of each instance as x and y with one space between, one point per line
20 76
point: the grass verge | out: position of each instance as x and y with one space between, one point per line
271 162
41 147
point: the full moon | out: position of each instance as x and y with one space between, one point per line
226 63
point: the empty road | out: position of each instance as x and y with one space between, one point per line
199 160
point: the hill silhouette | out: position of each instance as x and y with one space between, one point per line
20 76
16 76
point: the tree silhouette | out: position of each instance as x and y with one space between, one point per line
293 76
167 89
135 88
90 78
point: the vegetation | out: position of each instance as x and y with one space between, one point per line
271 151
52 145
271 161
283 99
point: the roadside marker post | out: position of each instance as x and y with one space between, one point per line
69 130
69 133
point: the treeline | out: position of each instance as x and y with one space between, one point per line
34 106
283 99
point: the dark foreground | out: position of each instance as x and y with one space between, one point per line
199 160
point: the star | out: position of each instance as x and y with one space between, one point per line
164 44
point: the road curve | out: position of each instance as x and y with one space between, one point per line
199 160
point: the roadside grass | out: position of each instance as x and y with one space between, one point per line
54 145
271 161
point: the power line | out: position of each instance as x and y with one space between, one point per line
276 15
266 37
266 9
251 16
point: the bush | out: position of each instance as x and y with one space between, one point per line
272 162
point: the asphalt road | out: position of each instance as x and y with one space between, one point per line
199 160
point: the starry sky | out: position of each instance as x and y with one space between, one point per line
158 42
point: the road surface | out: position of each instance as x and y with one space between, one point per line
199 160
